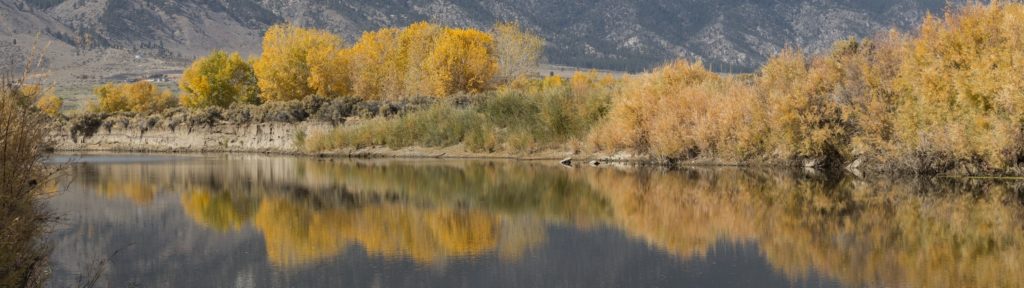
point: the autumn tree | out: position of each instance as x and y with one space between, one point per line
50 104
43 99
462 61
391 63
378 65
517 50
283 70
218 80
329 72
418 41
962 80
139 97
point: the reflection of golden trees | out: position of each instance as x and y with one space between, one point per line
462 232
138 192
863 234
657 207
217 210
310 210
137 182
537 190
297 235
877 233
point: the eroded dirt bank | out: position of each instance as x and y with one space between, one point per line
259 137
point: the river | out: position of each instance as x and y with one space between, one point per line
235 220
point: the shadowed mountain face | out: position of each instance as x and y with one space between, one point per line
612 34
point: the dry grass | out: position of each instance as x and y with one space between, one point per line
525 116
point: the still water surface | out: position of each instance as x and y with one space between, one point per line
265 221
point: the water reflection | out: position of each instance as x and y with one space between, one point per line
916 232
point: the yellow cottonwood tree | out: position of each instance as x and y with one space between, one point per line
283 70
329 72
462 61
378 65
418 41
139 97
50 104
218 80
962 77
518 51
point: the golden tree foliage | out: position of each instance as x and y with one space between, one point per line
50 104
630 120
329 72
518 52
863 73
421 59
218 80
139 97
418 41
463 61
963 85
837 105
950 95
283 69
805 119
378 65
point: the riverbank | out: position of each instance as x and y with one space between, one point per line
250 138
198 132
286 139
283 138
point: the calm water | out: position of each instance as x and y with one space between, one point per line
260 221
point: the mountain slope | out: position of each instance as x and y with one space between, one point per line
627 35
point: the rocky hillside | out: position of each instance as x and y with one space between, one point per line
627 35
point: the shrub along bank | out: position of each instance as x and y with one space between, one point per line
945 98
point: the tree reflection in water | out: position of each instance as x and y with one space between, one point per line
870 232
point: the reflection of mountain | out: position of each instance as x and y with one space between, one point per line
882 233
